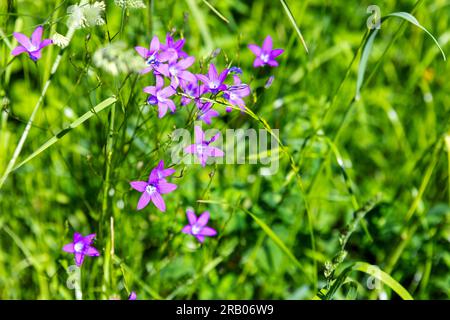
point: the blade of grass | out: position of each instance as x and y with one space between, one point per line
294 24
216 11
97 109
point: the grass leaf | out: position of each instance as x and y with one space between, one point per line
97 109
294 23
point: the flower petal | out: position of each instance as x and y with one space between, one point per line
255 49
267 45
18 50
143 52
154 44
258 63
203 219
22 39
79 258
192 218
143 201
212 72
166 187
191 149
199 135
186 63
276 52
35 55
69 248
202 78
213 152
187 229
89 238
77 237
92 252
272 63
200 238
45 42
207 231
139 185
37 36
162 109
158 201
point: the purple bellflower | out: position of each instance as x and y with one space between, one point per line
160 96
153 56
163 173
265 55
174 47
207 112
197 227
176 71
33 45
153 188
132 296
81 247
201 148
236 92
214 81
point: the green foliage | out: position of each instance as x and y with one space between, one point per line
362 184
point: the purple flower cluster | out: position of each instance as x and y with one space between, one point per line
168 61
169 65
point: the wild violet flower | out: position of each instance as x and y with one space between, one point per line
161 172
201 148
81 247
176 71
174 46
152 189
152 56
265 55
207 112
160 96
236 92
33 45
132 296
197 227
214 81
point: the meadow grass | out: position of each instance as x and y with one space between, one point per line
358 209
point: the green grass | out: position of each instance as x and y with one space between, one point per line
361 196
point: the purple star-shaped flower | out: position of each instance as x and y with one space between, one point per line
201 148
160 96
81 247
207 112
153 56
265 55
214 81
33 45
174 47
197 227
153 188
176 71
163 173
236 92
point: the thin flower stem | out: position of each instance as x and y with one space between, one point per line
25 133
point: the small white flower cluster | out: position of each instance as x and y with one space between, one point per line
134 4
86 14
60 40
116 58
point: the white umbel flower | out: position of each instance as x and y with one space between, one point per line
86 14
60 40
116 58
133 4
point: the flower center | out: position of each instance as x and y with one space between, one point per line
264 57
196 229
78 247
200 148
152 100
150 189
152 60
173 71
213 85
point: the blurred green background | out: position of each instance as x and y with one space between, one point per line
380 164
